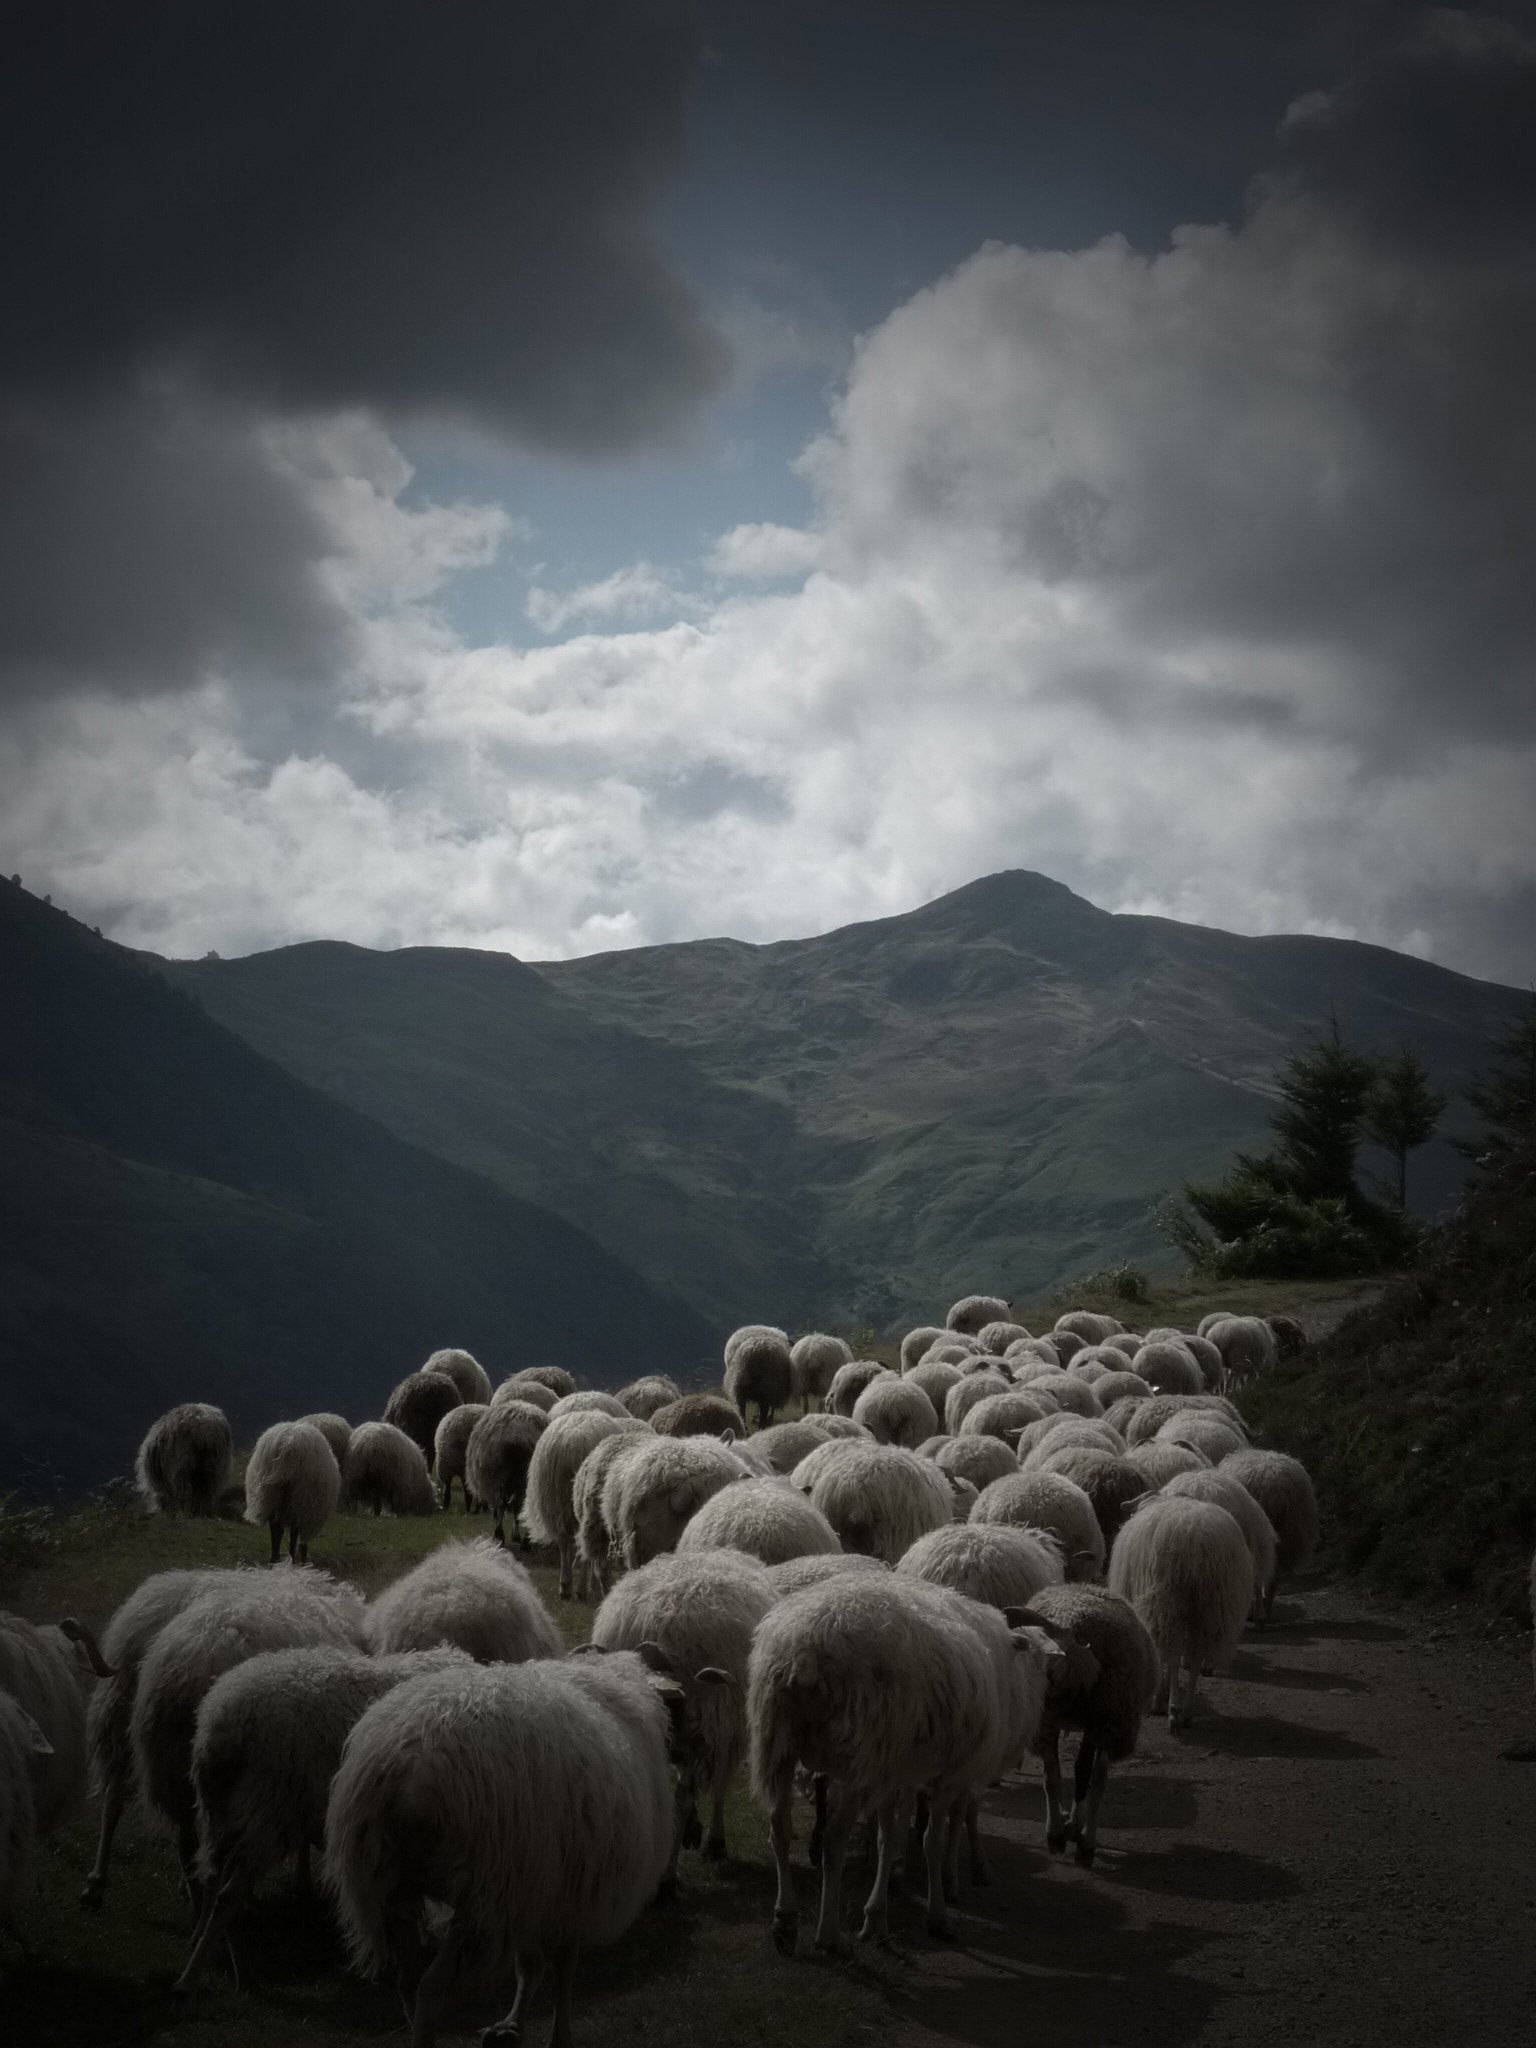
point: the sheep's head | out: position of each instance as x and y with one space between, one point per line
1071 1668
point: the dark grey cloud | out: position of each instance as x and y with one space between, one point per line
362 202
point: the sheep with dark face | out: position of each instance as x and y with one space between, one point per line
184 1461
1108 1710
418 1404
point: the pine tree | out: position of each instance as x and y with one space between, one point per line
1402 1111
1324 1093
1505 1095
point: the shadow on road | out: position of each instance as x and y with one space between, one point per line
1192 1870
1264 1735
1259 1670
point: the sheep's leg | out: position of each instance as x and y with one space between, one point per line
225 1902
434 1987
940 1820
714 1841
499 1531
904 1802
954 1829
981 1869
1055 1815
113 1795
565 1985
877 1925
293 1544
567 1561
1183 1709
819 1824
275 1531
445 1495
186 1850
917 1828
834 1852
786 1916
1090 1791
1164 1684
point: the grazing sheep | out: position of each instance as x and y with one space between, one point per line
971 1314
700 1612
1158 1462
557 1458
769 1519
269 1741
1112 1484
850 1380
1066 1391
1056 1432
1047 1500
759 1373
896 1411
980 1459
1169 1368
532 1804
916 1344
935 1378
217 1630
1108 1711
1207 1357
337 1432
813 1361
749 1330
780 1447
474 1597
42 1671
1001 1415
1084 1323
1115 1387
651 1497
386 1469
1208 1434
1246 1343
589 1401
555 1377
642 1397
1208 1322
292 1483
885 1685
184 1460
996 1337
1258 1531
699 1415
1184 1566
880 1498
1283 1489
590 1502
796 1573
466 1373
520 1388
832 1427
23 1745
1001 1564
973 1388
1047 1349
1067 1344
1290 1338
450 1448
418 1404
962 1351
1146 1420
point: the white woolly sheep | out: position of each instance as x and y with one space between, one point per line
1208 1434
962 1351
1055 1432
337 1432
557 1458
450 1448
386 1469
1108 1711
741 1336
292 1484
1047 1349
219 1629
896 1411
1047 1500
1290 1336
759 1373
980 1459
642 1397
269 1741
699 1415
1184 1566
1112 1484
833 1426
1001 1415
1169 1368
554 1377
474 1597
996 1337
769 1519
850 1380
781 1446
47 1671
1246 1343
519 1388
1000 1563
418 1404
1282 1487
701 1613
1115 1387
1066 1391
935 1378
1207 1357
22 1746
814 1359
884 1685
533 1802
1158 1462
917 1343
1067 1344
590 1502
590 1401
650 1498
1146 1419
1086 1324
971 1314
184 1460
1126 1342
796 1573
466 1373
880 1498
1223 1491
974 1387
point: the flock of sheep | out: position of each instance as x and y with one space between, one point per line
884 1604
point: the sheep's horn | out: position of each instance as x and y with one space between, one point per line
77 1632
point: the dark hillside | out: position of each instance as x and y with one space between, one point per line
181 1218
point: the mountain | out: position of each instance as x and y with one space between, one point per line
988 1092
180 1219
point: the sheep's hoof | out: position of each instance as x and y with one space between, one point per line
505 2034
565 1592
786 1931
1056 1843
940 1930
714 1849
876 1928
1084 1854
93 1893
835 1945
693 1832
813 1849
951 1887
181 1992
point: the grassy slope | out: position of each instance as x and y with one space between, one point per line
984 1093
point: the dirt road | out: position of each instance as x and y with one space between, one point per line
1335 1853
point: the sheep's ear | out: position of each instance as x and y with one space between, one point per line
1084 1557
679 1499
1035 1639
655 1658
37 1741
588 1650
727 1437
712 1674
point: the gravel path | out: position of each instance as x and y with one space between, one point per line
1336 1853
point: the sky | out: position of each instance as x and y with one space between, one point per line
562 478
